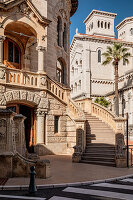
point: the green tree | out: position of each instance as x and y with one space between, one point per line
113 55
102 101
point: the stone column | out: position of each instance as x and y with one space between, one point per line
2 38
41 51
40 135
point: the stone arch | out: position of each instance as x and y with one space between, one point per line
64 69
23 96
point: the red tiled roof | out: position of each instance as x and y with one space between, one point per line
102 37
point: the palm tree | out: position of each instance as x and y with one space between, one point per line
113 55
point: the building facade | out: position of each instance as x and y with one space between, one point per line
34 71
89 78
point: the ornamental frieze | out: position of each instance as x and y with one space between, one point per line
16 95
57 139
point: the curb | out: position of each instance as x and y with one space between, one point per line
46 186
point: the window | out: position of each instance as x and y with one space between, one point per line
131 31
60 72
102 24
11 54
65 38
99 56
109 25
98 24
80 85
56 124
59 31
105 25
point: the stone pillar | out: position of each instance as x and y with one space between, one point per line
40 135
41 51
2 38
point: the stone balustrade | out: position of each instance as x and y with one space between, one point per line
74 110
41 81
116 123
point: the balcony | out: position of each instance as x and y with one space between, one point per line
30 80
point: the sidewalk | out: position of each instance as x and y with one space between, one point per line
64 171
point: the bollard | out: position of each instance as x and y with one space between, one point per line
32 186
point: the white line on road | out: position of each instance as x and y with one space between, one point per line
118 186
62 198
100 193
127 180
21 197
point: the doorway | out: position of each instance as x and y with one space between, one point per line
30 123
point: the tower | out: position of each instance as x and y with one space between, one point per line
100 23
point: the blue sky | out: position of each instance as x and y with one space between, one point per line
123 8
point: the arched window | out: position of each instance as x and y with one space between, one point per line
60 72
105 25
98 24
71 88
65 37
131 31
109 25
75 87
102 24
59 30
99 56
12 54
79 85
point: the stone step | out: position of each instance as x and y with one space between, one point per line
99 154
99 163
99 158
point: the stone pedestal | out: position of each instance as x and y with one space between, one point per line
40 127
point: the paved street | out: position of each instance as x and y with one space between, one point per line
118 189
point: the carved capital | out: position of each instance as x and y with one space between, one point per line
40 48
2 38
41 112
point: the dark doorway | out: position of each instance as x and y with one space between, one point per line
29 123
29 126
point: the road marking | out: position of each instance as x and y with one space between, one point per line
21 197
100 193
62 198
127 180
108 185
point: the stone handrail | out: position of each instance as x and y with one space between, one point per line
116 123
104 114
74 110
28 79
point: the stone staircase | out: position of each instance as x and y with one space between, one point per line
100 142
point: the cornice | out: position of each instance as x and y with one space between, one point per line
5 5
99 13
128 19
94 38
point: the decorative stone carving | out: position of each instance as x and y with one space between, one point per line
24 9
3 131
23 95
37 99
120 146
2 74
2 89
16 95
43 81
44 103
30 96
8 96
2 100
56 139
